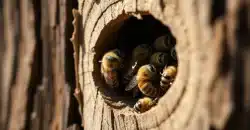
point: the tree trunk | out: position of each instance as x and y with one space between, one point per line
208 44
38 65
37 70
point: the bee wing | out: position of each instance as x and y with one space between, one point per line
131 84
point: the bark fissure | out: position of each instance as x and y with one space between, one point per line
112 119
102 118
92 2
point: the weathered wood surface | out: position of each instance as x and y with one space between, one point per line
209 79
37 69
37 76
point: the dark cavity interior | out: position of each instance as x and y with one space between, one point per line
125 33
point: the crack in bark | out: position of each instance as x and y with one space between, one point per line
87 17
102 115
112 119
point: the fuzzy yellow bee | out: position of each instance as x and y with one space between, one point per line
163 43
144 80
140 56
167 77
144 104
159 59
111 65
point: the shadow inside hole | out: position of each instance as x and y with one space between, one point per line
125 33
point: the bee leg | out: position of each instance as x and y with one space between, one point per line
155 101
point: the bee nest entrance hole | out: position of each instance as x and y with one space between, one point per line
125 33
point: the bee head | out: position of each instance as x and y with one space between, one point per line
168 77
170 72
167 39
159 59
173 53
151 68
138 106
119 53
110 78
163 58
111 58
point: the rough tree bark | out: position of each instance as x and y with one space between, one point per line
37 76
37 70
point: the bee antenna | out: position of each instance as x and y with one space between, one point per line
155 101
134 65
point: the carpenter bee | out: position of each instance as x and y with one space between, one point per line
111 64
163 43
159 59
140 56
144 79
167 77
144 104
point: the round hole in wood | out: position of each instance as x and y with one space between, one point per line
184 106
125 33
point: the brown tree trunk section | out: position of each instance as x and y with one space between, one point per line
37 77
212 75
37 69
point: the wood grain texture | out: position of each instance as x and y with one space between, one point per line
25 55
8 58
37 69
76 39
20 45
197 99
34 92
